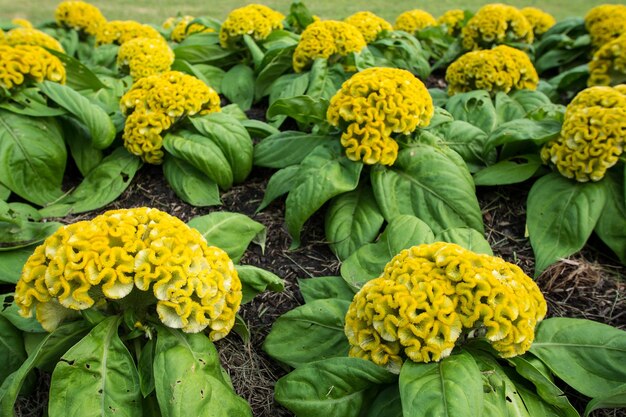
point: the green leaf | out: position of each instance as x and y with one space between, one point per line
256 280
86 156
10 311
95 119
209 74
320 288
190 184
144 368
287 148
79 76
561 214
280 183
256 52
510 171
12 352
325 80
387 403
467 237
352 220
616 398
238 86
303 109
332 387
287 86
231 232
12 262
203 54
17 231
611 226
274 64
535 131
474 107
32 157
324 173
468 141
586 355
29 102
530 100
507 108
258 129
309 332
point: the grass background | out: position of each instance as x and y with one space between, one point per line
156 11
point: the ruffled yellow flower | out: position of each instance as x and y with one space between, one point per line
182 28
431 294
79 16
499 69
539 20
22 23
138 250
369 25
494 24
145 56
120 31
373 105
255 20
155 103
323 39
23 63
30 36
605 23
592 137
453 20
608 66
414 20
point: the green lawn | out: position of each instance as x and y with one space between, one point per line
155 11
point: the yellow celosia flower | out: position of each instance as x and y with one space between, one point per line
453 20
156 102
22 23
120 31
368 24
182 29
373 105
30 36
23 63
414 20
608 65
431 294
193 285
499 69
255 20
495 24
79 16
605 23
592 137
539 20
145 56
324 39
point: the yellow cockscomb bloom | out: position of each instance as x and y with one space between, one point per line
120 31
592 137
539 20
608 65
453 19
323 39
145 56
431 294
373 105
605 23
140 250
499 69
494 24
79 16
22 23
414 20
23 63
182 29
30 36
369 25
255 20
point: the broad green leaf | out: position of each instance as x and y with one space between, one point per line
17 232
468 141
203 54
586 355
280 183
616 398
474 107
86 156
451 387
4 193
10 311
467 237
352 220
332 387
387 403
561 214
535 406
280 39
611 226
30 102
79 76
258 129
12 262
189 184
256 52
535 131
431 183
256 280
241 329
287 148
238 86
510 171
320 288
32 157
323 174
530 100
286 86
309 332
274 64
232 232
325 79
303 109
144 368
12 352
209 74
300 15
95 119
507 108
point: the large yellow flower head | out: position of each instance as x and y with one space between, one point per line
25 63
255 20
368 24
592 137
608 65
414 20
375 104
499 69
79 16
431 294
605 23
494 24
142 251
539 20
453 20
323 39
145 56
120 31
156 102
182 28
30 36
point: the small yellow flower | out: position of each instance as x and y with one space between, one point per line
120 31
369 25
608 66
24 63
79 16
30 36
22 23
182 28
539 20
145 56
414 21
605 23
453 20
255 20
494 24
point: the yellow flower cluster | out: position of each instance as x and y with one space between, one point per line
453 19
120 31
255 20
30 36
494 24
323 39
156 102
592 137
414 20
374 104
145 56
90 263
182 29
608 65
431 294
23 63
79 16
539 20
499 69
22 22
605 23
368 24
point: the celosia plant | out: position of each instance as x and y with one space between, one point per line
608 65
25 63
80 16
181 28
22 22
605 23
255 20
370 25
539 20
414 20
454 20
145 56
495 24
499 69
30 36
120 31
